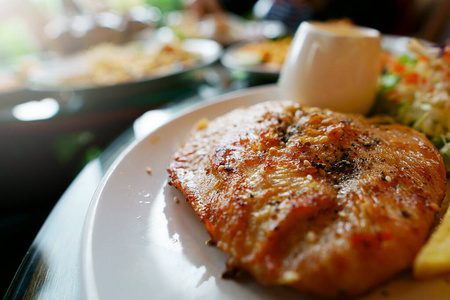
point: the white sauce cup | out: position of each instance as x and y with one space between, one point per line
332 65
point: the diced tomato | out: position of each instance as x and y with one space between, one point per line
391 94
411 78
397 67
422 58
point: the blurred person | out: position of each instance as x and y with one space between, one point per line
424 18
218 11
379 14
434 16
201 8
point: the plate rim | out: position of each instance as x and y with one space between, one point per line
87 275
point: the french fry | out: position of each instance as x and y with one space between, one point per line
433 259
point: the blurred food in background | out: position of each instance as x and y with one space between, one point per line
49 28
269 53
9 82
33 32
263 56
109 75
108 64
415 90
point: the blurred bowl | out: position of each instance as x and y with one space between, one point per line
52 75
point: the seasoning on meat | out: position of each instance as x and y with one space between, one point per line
329 203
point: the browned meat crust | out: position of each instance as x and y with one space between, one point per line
326 202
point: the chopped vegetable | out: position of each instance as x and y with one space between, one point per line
415 90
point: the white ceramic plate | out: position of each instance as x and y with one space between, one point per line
51 75
399 44
138 243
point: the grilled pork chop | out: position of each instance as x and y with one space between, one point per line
326 202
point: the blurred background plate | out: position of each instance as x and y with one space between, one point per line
398 44
50 76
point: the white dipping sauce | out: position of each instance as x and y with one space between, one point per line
334 66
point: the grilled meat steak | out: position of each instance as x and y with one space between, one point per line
326 202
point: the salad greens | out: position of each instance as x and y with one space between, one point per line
415 89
